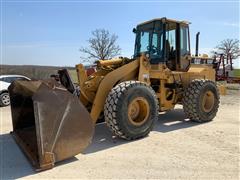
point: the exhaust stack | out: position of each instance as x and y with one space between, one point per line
197 43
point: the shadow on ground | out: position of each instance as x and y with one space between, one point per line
103 139
15 165
173 120
167 122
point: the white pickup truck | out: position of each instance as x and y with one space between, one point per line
5 81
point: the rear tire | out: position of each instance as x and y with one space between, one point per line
131 109
201 100
4 99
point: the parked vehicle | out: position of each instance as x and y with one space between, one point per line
5 81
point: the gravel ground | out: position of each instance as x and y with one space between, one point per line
175 149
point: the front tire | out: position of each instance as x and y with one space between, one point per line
201 100
4 99
131 109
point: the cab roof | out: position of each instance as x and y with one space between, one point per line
164 19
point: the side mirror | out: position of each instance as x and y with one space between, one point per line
134 30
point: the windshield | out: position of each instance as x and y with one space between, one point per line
149 40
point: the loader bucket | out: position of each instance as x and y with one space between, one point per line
49 123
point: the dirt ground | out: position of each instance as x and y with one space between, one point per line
175 149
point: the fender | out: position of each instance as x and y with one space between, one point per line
124 73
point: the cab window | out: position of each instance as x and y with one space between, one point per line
184 45
144 42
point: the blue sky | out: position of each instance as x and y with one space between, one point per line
51 32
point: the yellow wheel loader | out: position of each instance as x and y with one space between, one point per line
54 120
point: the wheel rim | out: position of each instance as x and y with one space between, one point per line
208 101
138 111
6 99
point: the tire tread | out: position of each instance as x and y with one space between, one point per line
190 97
110 108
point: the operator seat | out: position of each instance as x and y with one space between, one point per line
167 49
169 62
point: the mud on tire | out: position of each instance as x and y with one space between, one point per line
118 115
201 100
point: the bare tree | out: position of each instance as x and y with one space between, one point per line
229 47
102 46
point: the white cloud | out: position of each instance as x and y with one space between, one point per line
231 24
222 23
203 50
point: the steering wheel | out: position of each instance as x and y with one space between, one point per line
153 49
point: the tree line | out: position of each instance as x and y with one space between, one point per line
33 72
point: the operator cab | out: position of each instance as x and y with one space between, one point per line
164 41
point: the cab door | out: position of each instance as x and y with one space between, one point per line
184 47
